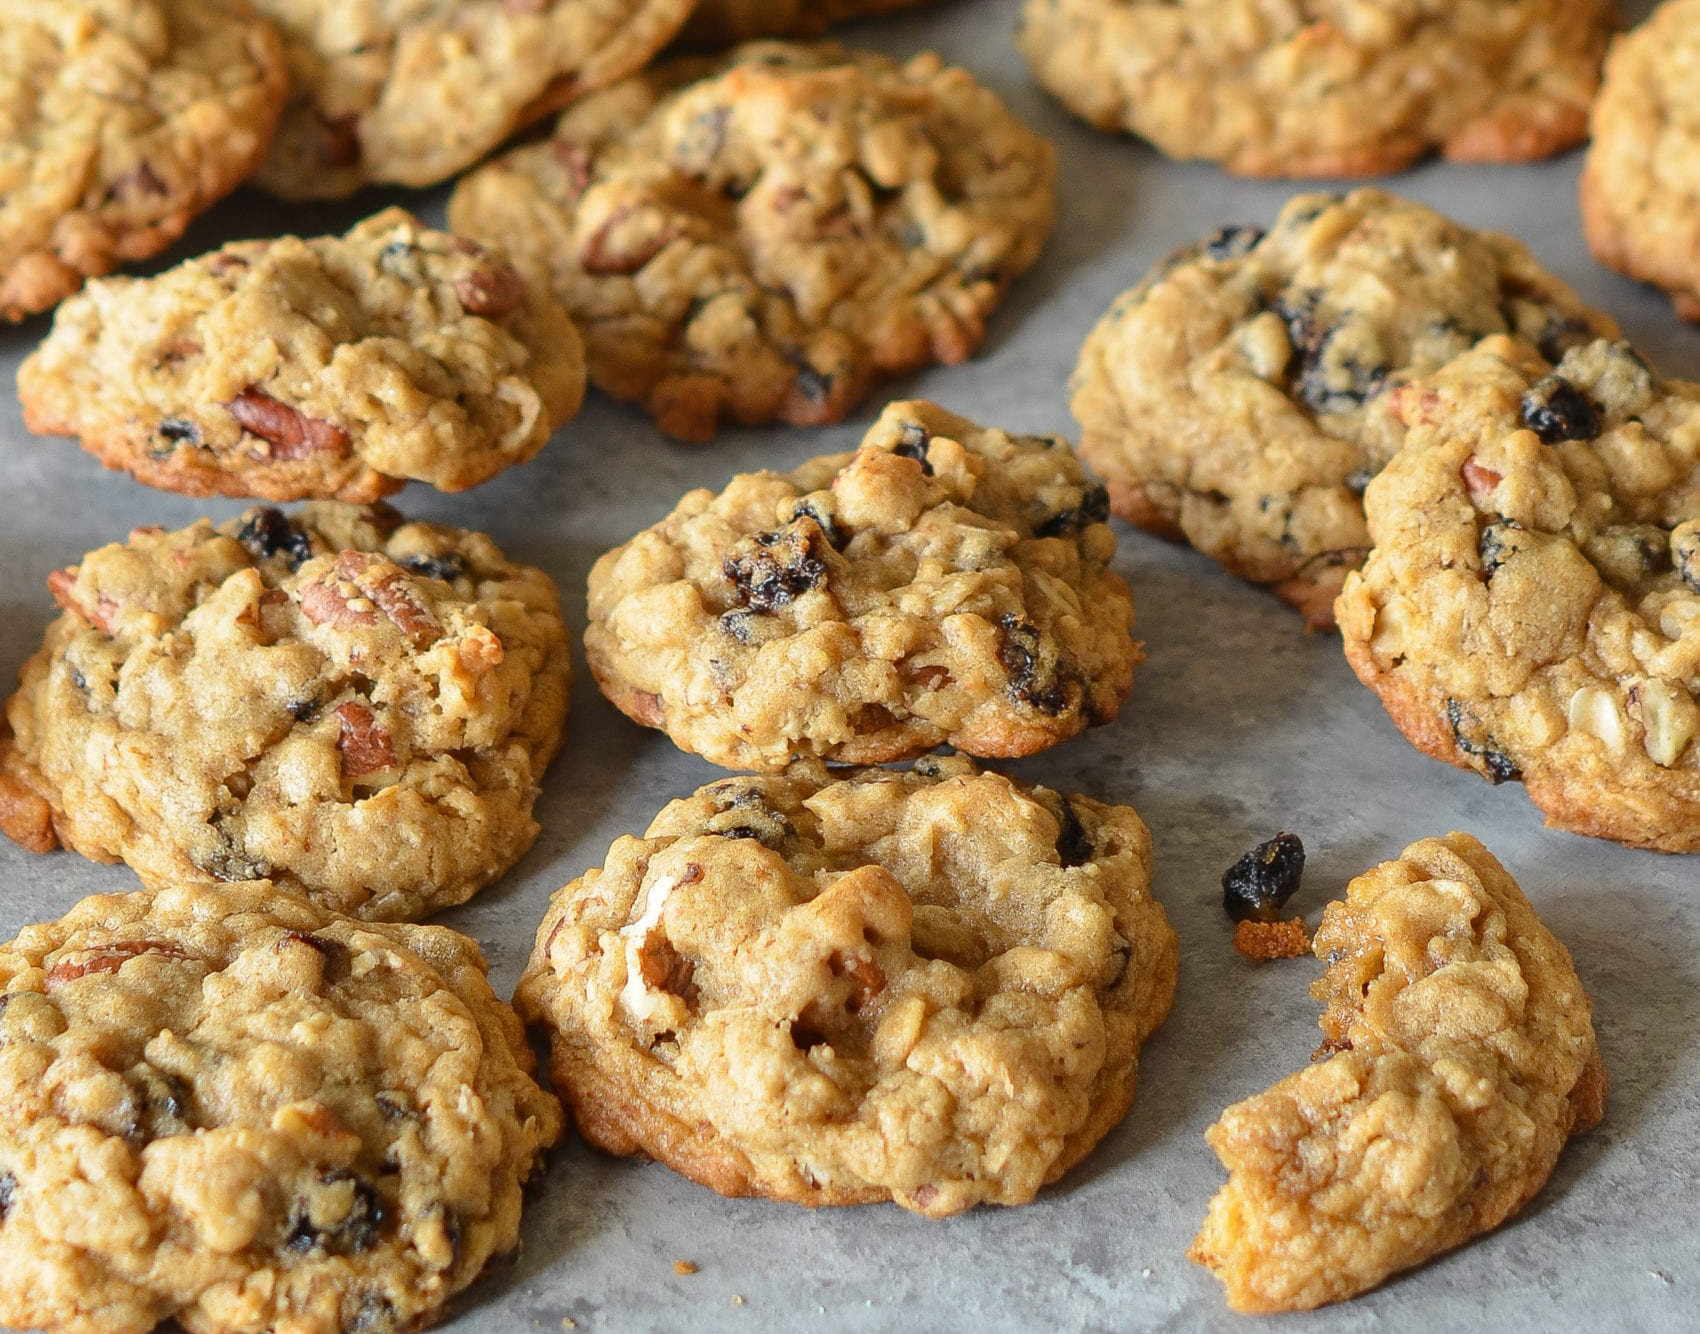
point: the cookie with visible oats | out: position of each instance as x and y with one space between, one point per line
1346 88
927 986
945 583
226 1106
120 120
1458 1058
1532 605
338 367
1237 398
355 707
761 236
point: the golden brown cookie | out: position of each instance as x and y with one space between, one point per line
338 367
1531 609
722 22
224 1105
946 583
927 986
760 237
1458 1057
120 120
355 707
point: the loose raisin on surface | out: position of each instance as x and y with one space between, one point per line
1233 242
771 570
1495 544
1496 766
1094 508
1555 410
448 567
1021 653
266 533
1074 846
359 1230
1258 885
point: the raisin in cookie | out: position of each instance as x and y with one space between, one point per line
1458 1057
1532 605
1641 184
944 583
335 367
120 120
354 707
929 987
761 236
1237 397
224 1105
409 94
1338 88
720 22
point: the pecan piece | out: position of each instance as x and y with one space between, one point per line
1479 479
365 746
663 968
62 584
291 434
358 577
866 974
490 291
109 958
338 141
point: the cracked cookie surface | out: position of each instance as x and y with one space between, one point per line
945 583
224 1105
357 708
719 22
410 93
1237 397
1326 87
335 367
1532 605
120 120
1458 1058
928 986
1641 182
759 237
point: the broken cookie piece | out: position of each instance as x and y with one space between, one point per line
1458 1057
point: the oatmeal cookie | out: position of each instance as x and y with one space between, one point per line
926 986
1532 605
760 236
1641 183
409 94
1328 87
120 120
1236 398
1458 1057
721 22
335 367
355 707
224 1105
943 584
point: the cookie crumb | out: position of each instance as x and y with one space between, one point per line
1262 941
567 1322
737 1299
684 1267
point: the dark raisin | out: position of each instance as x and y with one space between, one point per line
772 569
1555 410
1299 315
373 1313
1258 885
1094 508
1330 383
809 510
265 533
228 863
1495 765
912 444
736 624
79 680
927 766
745 813
1124 956
816 386
1629 554
303 710
1074 847
1022 655
448 567
1232 242
394 1106
1685 552
175 431
359 1230
1560 334
8 1194
1358 480
1496 544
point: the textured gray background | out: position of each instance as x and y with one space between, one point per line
1239 725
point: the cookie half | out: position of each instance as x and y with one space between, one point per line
1458 1057
759 237
338 367
1237 397
123 120
224 1105
1641 183
410 94
720 22
926 986
1532 605
945 583
353 706
1352 88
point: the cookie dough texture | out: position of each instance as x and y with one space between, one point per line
944 583
340 366
1641 183
1337 88
718 22
1237 397
760 236
1532 606
1458 1057
352 706
410 93
120 120
224 1105
926 986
